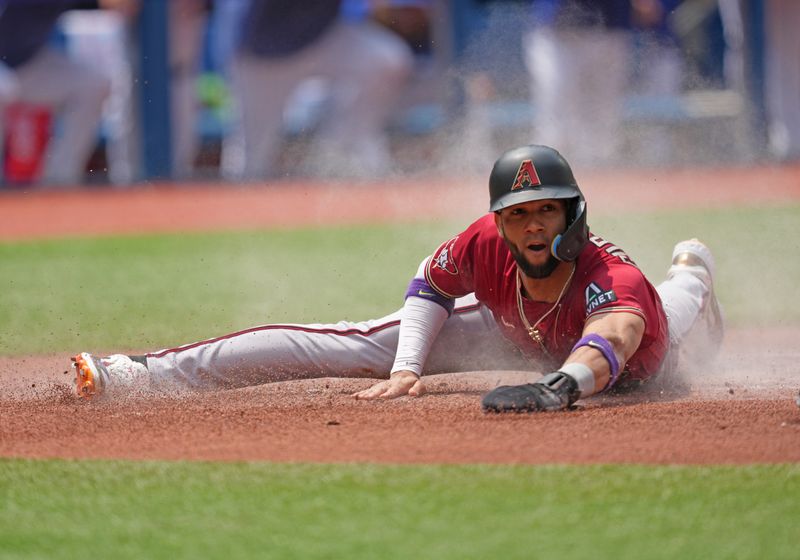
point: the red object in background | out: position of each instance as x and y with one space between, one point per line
27 133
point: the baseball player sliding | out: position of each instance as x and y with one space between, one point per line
527 287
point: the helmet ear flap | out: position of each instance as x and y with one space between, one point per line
568 245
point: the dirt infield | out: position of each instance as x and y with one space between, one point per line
211 207
741 412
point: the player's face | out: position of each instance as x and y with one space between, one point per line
529 229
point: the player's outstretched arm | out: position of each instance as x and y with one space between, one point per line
424 313
400 383
608 342
622 332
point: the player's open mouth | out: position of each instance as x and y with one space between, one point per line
536 247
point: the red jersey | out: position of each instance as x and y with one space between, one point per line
605 281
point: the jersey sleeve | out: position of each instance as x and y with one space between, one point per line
619 288
450 270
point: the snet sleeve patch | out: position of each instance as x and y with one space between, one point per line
596 296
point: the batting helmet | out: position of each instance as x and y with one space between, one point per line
538 173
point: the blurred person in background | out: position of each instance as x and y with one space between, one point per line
782 87
282 43
187 24
50 83
733 63
112 45
577 56
9 92
658 70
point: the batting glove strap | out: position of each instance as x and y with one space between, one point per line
555 391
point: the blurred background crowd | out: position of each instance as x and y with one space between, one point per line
114 92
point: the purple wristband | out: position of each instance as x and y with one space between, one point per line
421 289
594 340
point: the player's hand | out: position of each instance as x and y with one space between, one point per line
399 384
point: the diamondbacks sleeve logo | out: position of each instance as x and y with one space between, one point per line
596 296
443 258
526 176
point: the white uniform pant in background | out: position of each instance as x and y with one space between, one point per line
104 40
187 21
366 67
578 82
783 77
9 92
100 39
74 93
9 88
469 341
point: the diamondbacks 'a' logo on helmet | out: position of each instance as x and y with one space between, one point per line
526 176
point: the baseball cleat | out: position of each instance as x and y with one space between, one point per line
694 253
694 257
91 375
94 375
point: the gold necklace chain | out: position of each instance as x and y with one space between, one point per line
533 331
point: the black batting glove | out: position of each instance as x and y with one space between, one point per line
555 391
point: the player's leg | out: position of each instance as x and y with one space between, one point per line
279 352
9 92
782 84
187 21
75 93
554 92
262 354
261 87
694 315
579 121
9 85
602 62
368 67
469 340
269 353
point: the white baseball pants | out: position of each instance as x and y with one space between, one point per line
469 341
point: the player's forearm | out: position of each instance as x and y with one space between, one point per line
608 343
422 320
424 314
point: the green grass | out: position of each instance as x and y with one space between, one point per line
757 251
124 293
62 509
152 291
